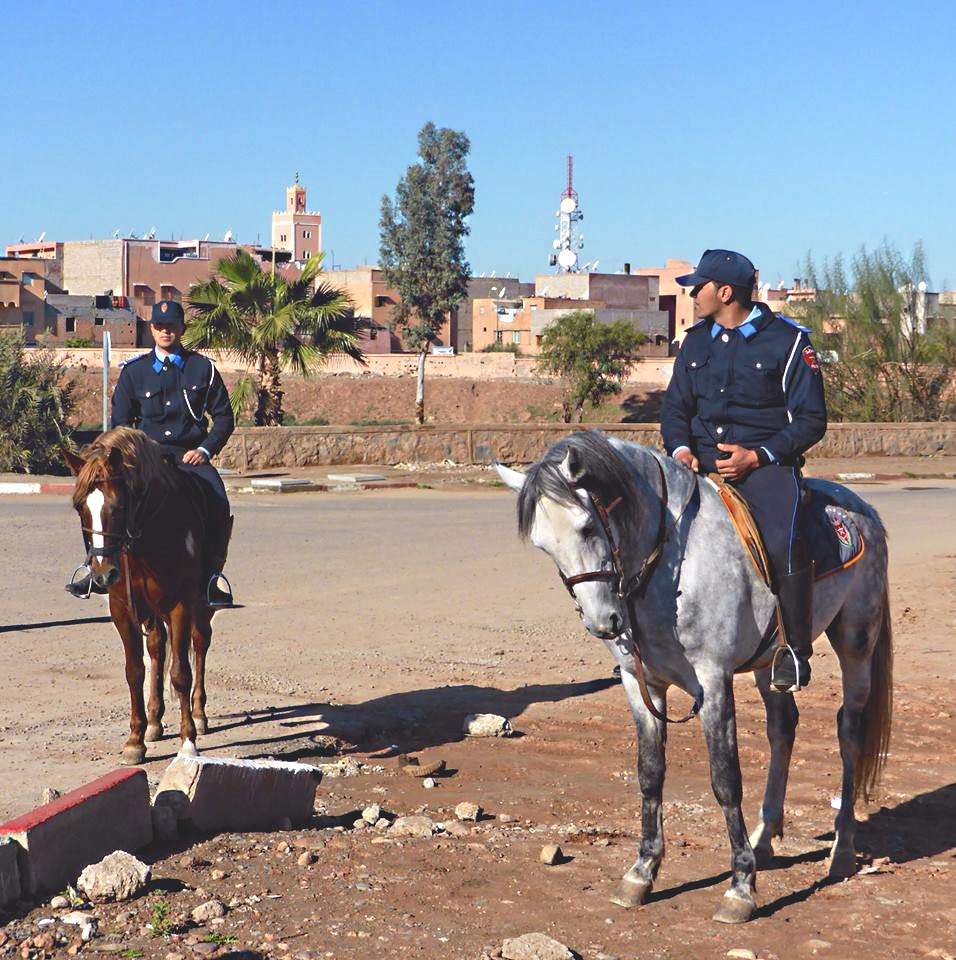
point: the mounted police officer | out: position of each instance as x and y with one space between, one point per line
746 401
169 393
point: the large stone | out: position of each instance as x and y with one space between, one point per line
9 872
487 725
118 876
214 795
415 826
535 946
60 838
468 811
210 910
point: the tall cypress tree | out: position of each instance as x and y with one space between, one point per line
422 241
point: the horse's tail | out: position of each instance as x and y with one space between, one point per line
878 712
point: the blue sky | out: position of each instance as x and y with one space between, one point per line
772 128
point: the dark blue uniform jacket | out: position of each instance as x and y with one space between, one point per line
171 402
758 385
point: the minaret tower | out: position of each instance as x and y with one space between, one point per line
296 229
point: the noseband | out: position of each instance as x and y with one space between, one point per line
627 588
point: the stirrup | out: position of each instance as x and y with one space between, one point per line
73 581
779 687
216 597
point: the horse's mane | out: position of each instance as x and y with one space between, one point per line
127 453
607 474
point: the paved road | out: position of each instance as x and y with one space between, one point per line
349 598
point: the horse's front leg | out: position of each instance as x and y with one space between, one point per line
782 719
651 741
201 636
134 750
156 647
719 721
180 675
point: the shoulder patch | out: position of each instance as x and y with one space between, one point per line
133 359
792 322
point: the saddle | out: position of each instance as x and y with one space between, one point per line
835 540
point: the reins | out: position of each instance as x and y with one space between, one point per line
629 588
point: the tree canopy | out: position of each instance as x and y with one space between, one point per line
886 356
592 358
272 323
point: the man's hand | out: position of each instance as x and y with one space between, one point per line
688 459
195 457
740 462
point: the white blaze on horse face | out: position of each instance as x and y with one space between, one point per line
94 503
571 537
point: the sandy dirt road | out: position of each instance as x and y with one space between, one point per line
382 619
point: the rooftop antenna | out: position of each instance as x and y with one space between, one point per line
42 237
205 238
116 233
21 239
569 214
492 274
152 234
594 265
228 237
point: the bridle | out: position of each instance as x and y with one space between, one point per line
628 589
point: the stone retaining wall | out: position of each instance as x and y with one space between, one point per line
257 448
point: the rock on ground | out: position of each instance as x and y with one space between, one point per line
210 910
468 811
117 876
535 946
551 854
487 725
415 826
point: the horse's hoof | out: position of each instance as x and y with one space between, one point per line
154 732
188 749
133 756
734 909
631 892
842 865
764 857
202 725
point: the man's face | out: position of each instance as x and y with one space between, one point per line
707 298
167 334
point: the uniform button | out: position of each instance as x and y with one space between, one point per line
169 433
758 366
148 394
693 363
725 337
719 430
721 389
168 402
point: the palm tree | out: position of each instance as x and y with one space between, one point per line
272 323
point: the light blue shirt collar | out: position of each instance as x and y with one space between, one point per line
747 328
174 358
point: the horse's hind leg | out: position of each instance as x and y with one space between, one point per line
134 750
782 719
720 731
651 739
180 674
201 636
156 646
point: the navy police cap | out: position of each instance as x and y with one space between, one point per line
167 311
724 266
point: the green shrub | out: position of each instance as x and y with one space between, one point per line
78 343
34 407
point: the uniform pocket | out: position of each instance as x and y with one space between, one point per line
761 378
195 394
699 372
150 404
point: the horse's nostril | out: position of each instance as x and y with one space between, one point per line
615 623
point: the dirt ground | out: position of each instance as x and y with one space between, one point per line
378 620
348 400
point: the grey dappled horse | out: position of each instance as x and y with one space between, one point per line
702 612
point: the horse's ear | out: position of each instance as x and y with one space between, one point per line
116 458
573 468
512 478
73 461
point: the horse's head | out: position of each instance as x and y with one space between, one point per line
559 510
101 501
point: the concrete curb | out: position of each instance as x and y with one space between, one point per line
12 487
16 488
56 841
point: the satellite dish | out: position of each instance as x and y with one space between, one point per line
206 237
508 275
556 244
502 294
544 290
594 265
481 276
568 205
42 237
115 234
921 286
567 259
228 237
152 233
492 274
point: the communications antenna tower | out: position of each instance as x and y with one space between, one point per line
569 241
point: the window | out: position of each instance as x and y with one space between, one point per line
481 311
71 324
306 234
534 306
498 336
29 278
282 238
516 336
98 322
27 319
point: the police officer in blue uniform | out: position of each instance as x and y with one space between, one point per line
746 401
169 393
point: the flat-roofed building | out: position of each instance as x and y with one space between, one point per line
297 229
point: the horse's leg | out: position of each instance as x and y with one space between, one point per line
134 750
201 636
782 719
156 645
651 740
180 674
719 721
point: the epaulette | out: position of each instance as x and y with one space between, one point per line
133 359
793 323
700 323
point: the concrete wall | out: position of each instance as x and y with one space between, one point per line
91 267
257 448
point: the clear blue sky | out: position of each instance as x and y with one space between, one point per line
772 128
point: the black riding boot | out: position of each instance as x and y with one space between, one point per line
81 589
218 549
791 668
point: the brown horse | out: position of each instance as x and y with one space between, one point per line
143 525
